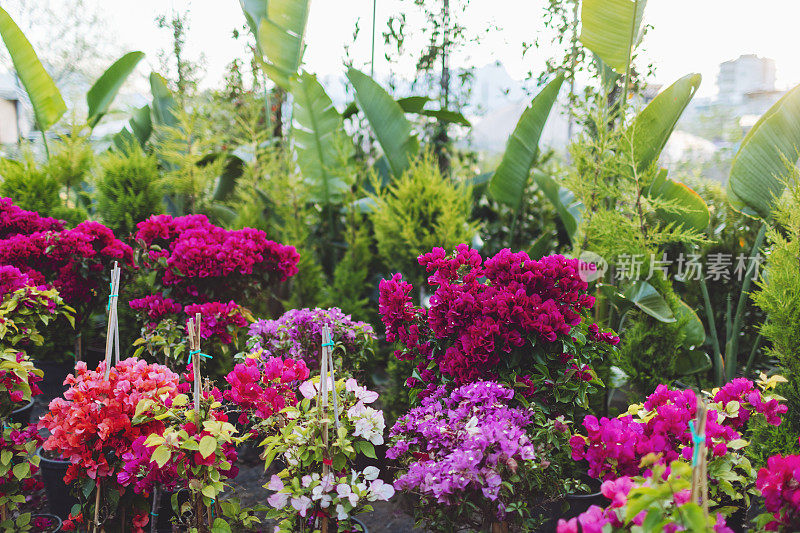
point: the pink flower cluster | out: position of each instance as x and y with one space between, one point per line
14 440
480 310
749 398
200 259
71 260
779 484
91 424
139 471
156 306
15 220
12 384
262 387
596 518
614 447
218 319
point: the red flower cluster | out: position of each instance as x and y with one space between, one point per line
200 259
481 310
71 260
779 484
261 388
14 220
91 425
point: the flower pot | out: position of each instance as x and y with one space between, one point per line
165 513
22 415
55 373
59 499
360 524
54 527
569 506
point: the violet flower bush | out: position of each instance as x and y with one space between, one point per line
468 457
297 334
779 484
509 318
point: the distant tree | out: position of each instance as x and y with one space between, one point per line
175 64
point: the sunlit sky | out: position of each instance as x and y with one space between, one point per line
688 35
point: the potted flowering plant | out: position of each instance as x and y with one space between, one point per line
25 309
779 485
92 428
18 466
658 502
76 263
163 332
297 334
261 387
467 458
318 487
509 319
616 447
199 453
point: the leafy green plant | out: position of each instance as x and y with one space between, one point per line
29 185
419 212
127 189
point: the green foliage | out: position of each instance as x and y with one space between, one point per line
127 189
29 185
70 163
102 93
779 297
418 212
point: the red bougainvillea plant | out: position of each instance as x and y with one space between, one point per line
93 427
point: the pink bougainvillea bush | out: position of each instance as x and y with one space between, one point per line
261 387
197 261
779 484
506 318
616 447
17 221
94 427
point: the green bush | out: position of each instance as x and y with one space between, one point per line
127 189
420 211
29 185
779 297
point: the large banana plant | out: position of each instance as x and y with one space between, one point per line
612 29
766 156
388 122
320 141
105 89
48 104
508 183
280 36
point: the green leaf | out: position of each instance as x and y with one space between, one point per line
509 181
141 124
160 456
209 490
164 104
105 89
320 141
692 210
254 11
649 301
567 206
226 182
220 526
654 124
48 105
607 27
366 448
692 362
22 470
387 120
446 115
766 155
208 445
280 39
695 332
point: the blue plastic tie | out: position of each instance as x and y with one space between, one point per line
153 514
191 353
329 343
697 440
110 288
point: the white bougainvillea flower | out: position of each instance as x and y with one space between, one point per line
378 490
362 393
344 491
341 514
310 389
371 472
302 504
278 500
275 483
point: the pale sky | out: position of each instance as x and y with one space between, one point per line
689 35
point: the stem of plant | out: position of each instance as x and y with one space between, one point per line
719 365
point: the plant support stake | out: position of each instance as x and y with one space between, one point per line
112 333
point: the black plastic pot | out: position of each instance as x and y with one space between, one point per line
22 415
165 513
59 499
55 520
52 383
568 506
360 523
